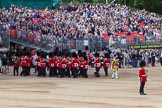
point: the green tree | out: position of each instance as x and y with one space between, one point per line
149 5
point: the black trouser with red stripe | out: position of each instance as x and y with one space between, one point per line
62 74
24 71
80 71
51 72
55 73
39 71
74 71
16 70
68 72
97 74
106 71
85 75
142 84
28 71
42 72
161 61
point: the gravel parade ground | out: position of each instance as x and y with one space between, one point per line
103 92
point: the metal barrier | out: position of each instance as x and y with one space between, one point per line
95 44
36 40
39 41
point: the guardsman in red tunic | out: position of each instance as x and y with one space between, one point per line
97 65
64 61
42 67
106 64
59 66
51 65
24 65
143 77
37 61
16 65
33 53
85 67
68 66
80 71
34 62
75 65
55 66
29 61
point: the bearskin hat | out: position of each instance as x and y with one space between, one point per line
51 54
43 54
80 54
79 51
107 55
54 53
85 58
68 54
59 54
28 54
84 54
142 63
74 55
23 53
38 53
86 48
97 54
56 49
109 51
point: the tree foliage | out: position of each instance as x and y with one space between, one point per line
149 5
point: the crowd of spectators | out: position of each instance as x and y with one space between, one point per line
85 20
132 58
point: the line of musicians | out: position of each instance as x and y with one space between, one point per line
63 65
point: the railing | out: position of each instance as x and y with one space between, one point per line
38 41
